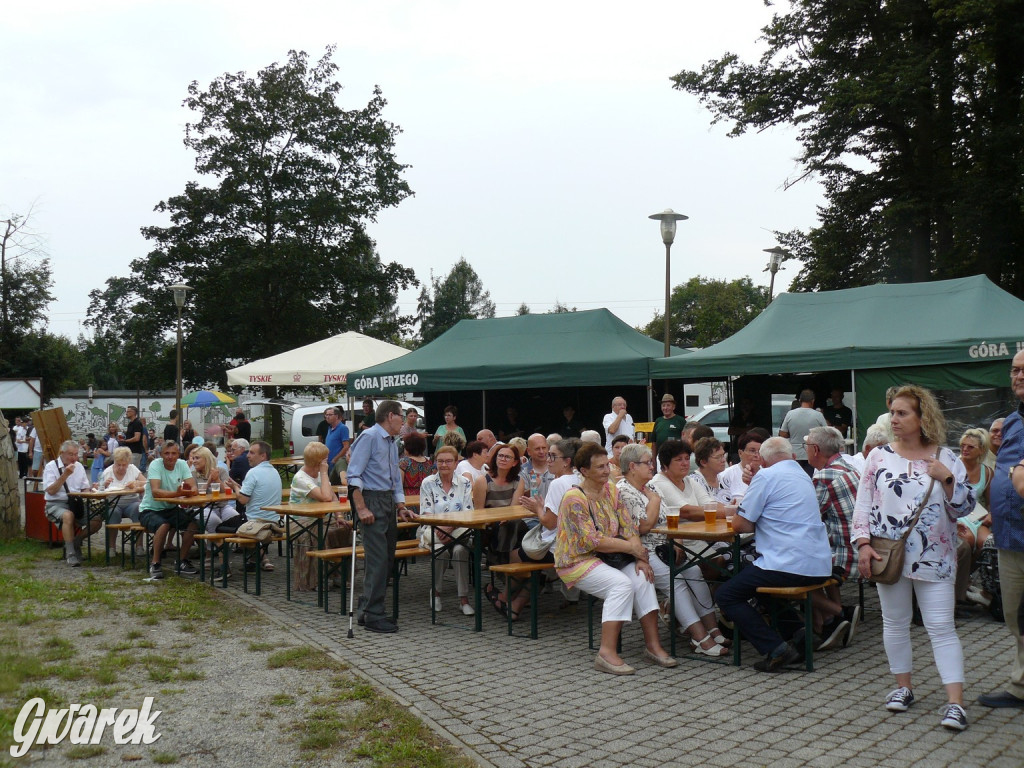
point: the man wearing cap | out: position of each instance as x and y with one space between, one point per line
243 427
669 426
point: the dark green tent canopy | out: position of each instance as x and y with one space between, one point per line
968 320
569 349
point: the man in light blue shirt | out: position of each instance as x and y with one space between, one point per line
261 488
375 488
781 506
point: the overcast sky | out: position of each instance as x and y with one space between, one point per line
540 134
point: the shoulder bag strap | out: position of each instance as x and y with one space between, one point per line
923 504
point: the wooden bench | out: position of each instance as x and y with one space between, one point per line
798 594
512 570
130 533
334 562
217 543
250 547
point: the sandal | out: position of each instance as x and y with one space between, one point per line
491 593
267 565
719 638
715 650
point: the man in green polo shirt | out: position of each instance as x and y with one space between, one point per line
168 480
669 426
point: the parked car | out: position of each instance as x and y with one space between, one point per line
302 419
717 417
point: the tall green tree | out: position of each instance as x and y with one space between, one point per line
704 311
272 238
910 113
460 295
25 282
26 348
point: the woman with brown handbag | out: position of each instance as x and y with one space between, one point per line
914 485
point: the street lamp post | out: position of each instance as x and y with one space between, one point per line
180 289
668 219
777 253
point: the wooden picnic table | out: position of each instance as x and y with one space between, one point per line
709 535
316 512
99 503
475 520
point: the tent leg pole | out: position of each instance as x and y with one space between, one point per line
483 408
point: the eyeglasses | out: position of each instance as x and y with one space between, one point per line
1015 372
506 457
813 445
553 457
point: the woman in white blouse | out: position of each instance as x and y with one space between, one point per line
447 492
895 480
121 475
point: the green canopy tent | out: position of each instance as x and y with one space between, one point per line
550 353
945 335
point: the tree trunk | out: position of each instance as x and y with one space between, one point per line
10 506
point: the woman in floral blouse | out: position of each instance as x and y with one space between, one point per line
593 521
447 492
893 484
695 608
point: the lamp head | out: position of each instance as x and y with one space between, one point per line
180 289
668 219
777 254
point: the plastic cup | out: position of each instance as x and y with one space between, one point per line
343 494
672 519
227 490
202 488
214 488
710 512
728 521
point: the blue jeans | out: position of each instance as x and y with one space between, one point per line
732 598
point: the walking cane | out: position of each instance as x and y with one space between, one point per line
352 581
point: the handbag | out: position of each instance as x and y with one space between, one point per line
534 545
893 551
260 530
423 534
75 503
616 560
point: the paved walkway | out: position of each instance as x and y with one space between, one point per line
521 702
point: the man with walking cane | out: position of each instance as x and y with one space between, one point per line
375 489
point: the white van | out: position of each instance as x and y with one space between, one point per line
302 419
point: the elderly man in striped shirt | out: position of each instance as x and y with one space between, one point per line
835 483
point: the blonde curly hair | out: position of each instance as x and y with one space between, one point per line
933 423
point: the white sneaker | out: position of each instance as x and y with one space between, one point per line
435 601
467 609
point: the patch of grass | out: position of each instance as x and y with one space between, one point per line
57 649
191 674
281 700
322 729
303 658
262 646
352 689
164 758
390 736
66 671
17 668
40 692
85 751
91 632
135 635
26 617
171 691
100 695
